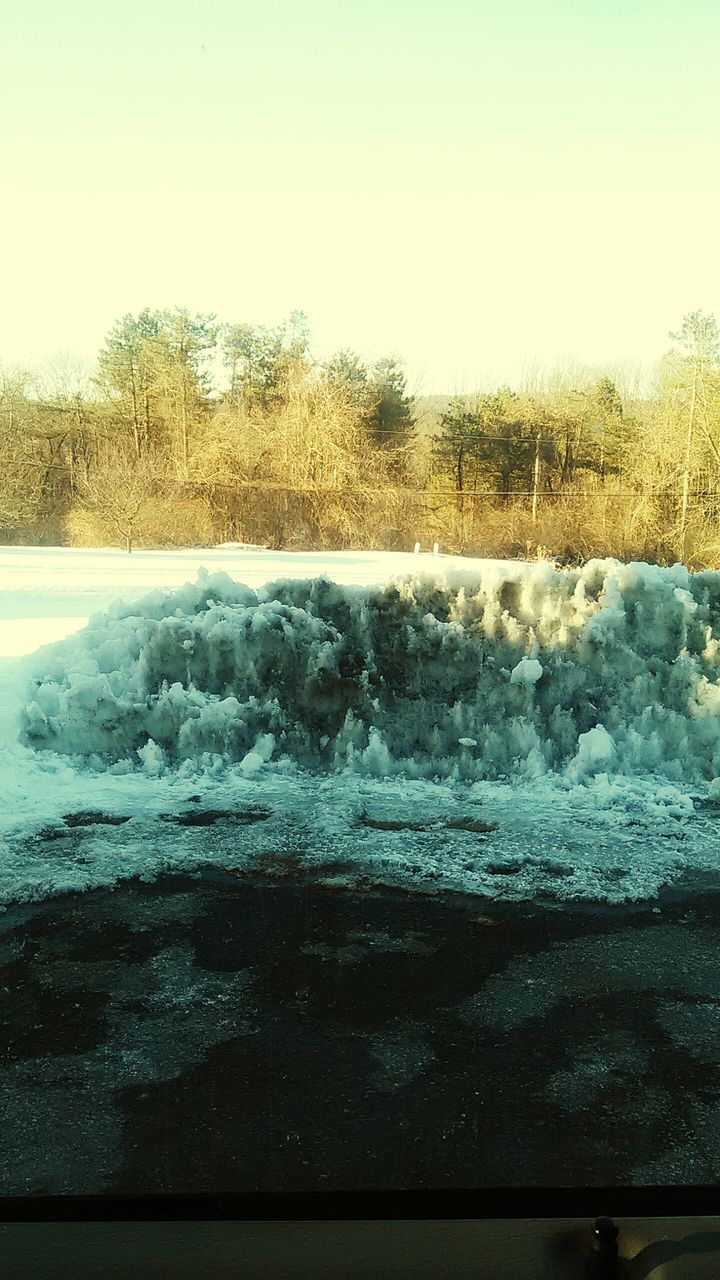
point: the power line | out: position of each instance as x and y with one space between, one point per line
274 487
405 434
436 493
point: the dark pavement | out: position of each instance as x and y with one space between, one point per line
228 1033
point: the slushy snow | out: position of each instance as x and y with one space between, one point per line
551 726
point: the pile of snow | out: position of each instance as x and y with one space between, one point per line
593 691
485 672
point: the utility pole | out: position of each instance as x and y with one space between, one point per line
536 478
686 473
700 339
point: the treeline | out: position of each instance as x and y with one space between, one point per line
193 433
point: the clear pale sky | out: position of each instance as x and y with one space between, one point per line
475 186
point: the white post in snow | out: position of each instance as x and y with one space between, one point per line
436 548
417 549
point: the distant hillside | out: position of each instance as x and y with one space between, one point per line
428 411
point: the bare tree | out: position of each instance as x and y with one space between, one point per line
121 492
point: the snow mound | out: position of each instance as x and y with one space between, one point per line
604 670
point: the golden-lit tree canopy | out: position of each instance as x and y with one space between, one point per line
190 431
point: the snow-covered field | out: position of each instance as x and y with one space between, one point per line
489 726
